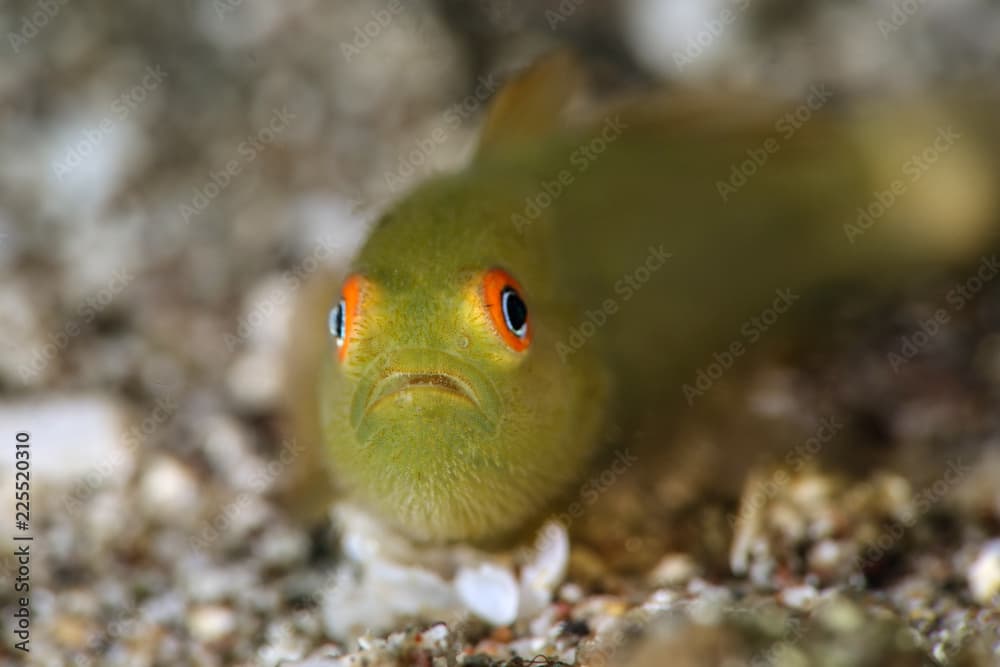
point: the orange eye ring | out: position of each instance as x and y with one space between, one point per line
344 314
503 300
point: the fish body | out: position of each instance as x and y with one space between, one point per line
498 319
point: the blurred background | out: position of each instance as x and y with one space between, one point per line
171 174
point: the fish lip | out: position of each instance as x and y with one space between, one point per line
434 370
394 382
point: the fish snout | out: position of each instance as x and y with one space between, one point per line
417 371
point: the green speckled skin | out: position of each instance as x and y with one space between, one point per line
433 465
441 469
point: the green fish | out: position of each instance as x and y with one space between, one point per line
582 272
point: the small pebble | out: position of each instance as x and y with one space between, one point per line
254 380
169 490
436 635
282 546
798 597
984 574
841 616
827 557
673 570
570 592
211 623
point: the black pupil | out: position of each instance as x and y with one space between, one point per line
339 320
514 311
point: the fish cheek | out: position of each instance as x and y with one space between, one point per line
572 391
534 395
336 393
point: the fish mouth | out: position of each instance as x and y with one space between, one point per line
419 370
398 381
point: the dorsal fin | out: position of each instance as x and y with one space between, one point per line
531 105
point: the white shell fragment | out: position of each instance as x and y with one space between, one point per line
490 592
382 594
385 579
543 573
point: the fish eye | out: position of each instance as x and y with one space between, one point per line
343 315
508 311
337 322
515 313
